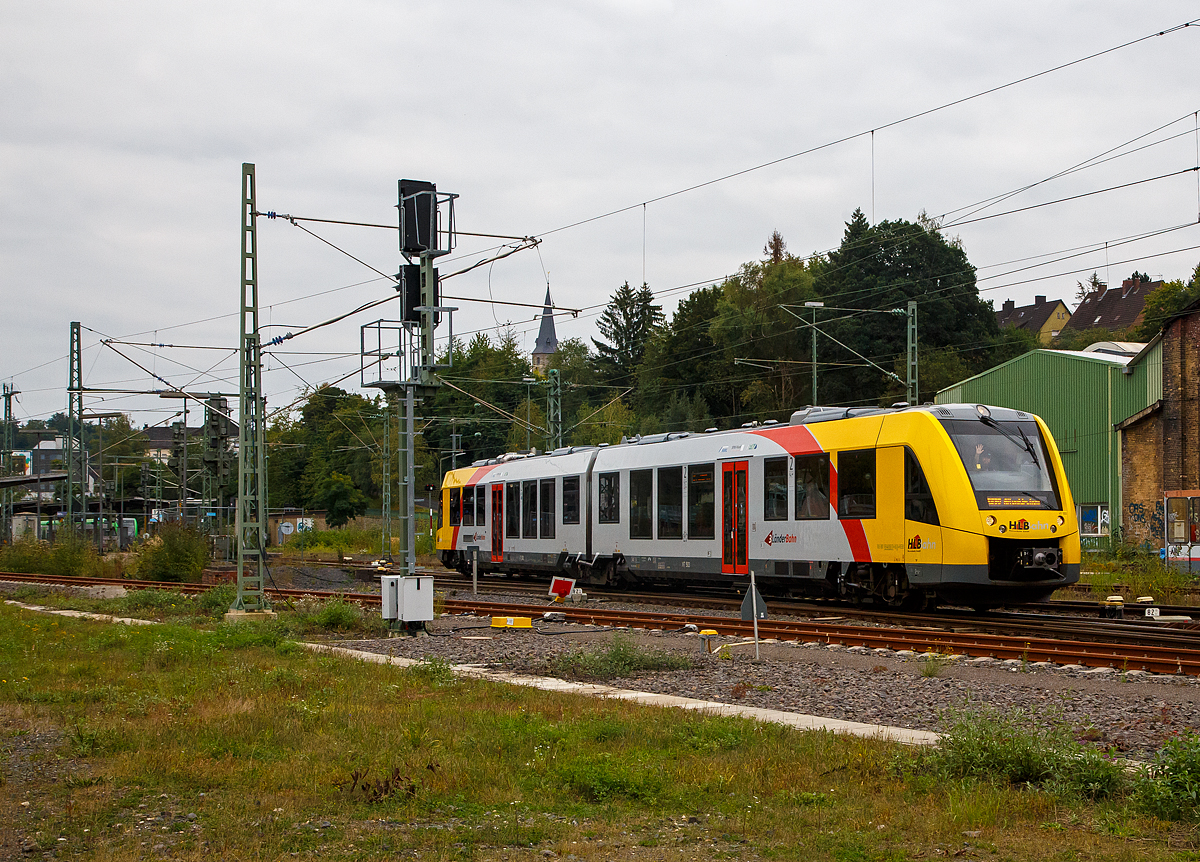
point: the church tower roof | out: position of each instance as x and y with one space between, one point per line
547 342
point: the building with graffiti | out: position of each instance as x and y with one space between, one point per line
1160 451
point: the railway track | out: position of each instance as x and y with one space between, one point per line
1125 646
1156 659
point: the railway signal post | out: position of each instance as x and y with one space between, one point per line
399 357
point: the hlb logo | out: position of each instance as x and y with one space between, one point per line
1021 525
915 543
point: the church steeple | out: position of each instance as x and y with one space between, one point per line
547 342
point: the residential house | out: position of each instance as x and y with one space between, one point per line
1045 319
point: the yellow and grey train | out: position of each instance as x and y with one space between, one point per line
958 503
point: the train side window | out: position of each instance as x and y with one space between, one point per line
812 487
856 484
701 502
670 502
529 509
918 498
455 507
570 512
641 490
468 507
775 489
512 508
547 509
480 505
609 510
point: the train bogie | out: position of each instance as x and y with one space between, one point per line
956 503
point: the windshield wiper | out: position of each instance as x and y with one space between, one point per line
1023 442
1029 447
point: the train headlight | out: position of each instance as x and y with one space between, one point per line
1061 520
990 520
1003 529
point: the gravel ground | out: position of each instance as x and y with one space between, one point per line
1132 712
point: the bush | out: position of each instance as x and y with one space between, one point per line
1170 788
25 555
178 554
621 658
70 555
1021 748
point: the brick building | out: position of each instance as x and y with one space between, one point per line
1160 444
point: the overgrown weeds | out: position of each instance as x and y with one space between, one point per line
70 555
621 657
312 615
1169 789
1140 572
1022 749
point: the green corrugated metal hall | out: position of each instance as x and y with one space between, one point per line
1080 396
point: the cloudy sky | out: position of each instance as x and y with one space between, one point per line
123 128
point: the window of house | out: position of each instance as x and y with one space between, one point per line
546 521
512 510
1093 519
812 487
856 484
701 501
775 489
570 510
608 487
529 509
641 493
670 502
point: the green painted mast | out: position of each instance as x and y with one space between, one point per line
251 507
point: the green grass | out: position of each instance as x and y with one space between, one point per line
281 753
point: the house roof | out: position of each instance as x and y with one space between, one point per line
1113 308
547 341
1031 317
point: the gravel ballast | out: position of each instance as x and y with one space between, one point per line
1133 713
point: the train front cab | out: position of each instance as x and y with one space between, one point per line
461 505
988 515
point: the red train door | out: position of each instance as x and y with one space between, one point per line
735 518
498 522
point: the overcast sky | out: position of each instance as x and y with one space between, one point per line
123 128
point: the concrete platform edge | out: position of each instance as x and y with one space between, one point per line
773 716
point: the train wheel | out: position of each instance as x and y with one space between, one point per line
895 587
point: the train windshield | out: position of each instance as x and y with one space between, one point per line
1008 463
